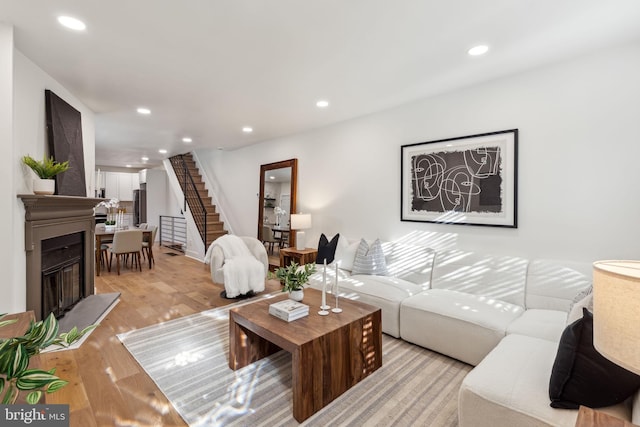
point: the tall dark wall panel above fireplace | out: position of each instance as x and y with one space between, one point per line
64 134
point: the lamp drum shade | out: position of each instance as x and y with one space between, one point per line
300 221
616 305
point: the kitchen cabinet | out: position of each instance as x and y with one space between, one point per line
120 185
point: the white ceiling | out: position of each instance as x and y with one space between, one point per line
206 68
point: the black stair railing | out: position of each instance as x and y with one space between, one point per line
192 198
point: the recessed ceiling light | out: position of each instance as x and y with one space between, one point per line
128 166
145 159
272 177
322 104
162 151
72 23
143 110
247 129
478 50
187 140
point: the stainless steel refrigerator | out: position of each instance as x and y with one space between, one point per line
140 205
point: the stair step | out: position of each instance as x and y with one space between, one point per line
212 224
212 237
215 234
215 226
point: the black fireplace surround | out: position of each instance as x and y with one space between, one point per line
62 266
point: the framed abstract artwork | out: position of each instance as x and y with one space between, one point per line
470 180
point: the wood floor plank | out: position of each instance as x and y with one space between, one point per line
107 386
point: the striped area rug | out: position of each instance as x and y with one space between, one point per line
187 359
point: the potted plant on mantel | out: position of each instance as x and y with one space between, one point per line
46 170
293 279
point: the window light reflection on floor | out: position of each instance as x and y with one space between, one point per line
239 396
185 358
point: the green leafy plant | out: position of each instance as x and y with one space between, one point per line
294 277
47 168
15 354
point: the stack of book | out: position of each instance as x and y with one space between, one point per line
288 310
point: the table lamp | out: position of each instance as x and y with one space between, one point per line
616 304
300 222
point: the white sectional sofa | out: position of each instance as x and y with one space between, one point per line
502 314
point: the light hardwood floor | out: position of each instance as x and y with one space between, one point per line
106 386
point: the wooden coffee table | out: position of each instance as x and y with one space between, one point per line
330 354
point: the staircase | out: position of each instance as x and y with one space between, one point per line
197 198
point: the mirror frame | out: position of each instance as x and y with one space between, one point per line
293 164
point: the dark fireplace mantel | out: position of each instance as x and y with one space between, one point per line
48 217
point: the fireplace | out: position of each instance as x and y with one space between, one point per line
59 236
62 266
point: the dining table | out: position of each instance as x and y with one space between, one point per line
108 235
281 233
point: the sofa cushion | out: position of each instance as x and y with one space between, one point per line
370 259
327 249
463 326
495 276
582 376
545 324
510 388
553 284
409 262
380 291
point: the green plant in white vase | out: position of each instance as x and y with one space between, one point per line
16 352
45 169
293 278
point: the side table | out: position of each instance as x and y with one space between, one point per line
588 417
300 256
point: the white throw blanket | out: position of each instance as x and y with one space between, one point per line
242 271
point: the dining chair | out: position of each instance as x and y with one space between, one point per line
126 242
147 245
101 252
269 238
142 226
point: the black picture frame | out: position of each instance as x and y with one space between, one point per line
64 136
468 180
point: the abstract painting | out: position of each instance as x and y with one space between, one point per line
64 133
469 180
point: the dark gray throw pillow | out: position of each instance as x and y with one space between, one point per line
327 249
582 376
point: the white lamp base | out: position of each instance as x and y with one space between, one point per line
300 240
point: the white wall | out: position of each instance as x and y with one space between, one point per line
11 295
26 83
578 163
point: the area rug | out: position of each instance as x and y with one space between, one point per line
187 359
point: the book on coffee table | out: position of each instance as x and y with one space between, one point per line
288 310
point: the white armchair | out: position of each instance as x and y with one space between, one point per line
219 261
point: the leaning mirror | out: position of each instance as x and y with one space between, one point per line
277 200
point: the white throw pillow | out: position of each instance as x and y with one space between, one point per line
345 253
576 310
370 259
